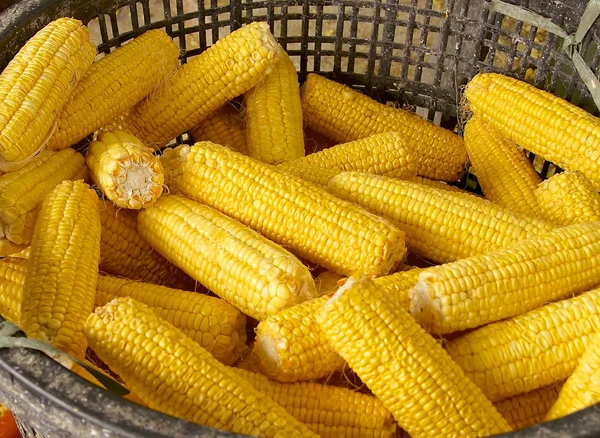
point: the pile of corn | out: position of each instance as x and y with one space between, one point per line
111 256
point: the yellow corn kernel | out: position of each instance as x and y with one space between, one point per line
415 379
229 68
530 351
440 225
274 115
11 291
312 174
224 127
214 324
36 84
343 114
527 409
182 379
114 84
505 174
313 223
399 284
60 284
327 281
15 263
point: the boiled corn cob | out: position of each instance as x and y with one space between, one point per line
398 284
184 380
125 170
316 225
273 115
11 292
224 127
229 68
503 171
327 281
530 351
538 121
35 85
342 114
214 324
527 409
568 198
60 284
114 84
440 225
415 379
238 264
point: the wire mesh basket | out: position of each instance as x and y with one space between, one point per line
412 53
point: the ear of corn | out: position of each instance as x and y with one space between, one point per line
398 285
125 170
173 374
327 281
11 291
527 409
60 284
223 127
343 114
313 223
415 379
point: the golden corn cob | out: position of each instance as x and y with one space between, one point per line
238 264
327 281
60 284
436 184
114 84
568 198
399 284
329 411
315 224
216 325
440 225
536 120
343 114
415 379
229 68
503 171
125 170
527 409
530 351
11 292
184 380
36 84
273 115
224 127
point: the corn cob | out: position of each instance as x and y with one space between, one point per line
11 292
184 380
125 170
229 68
238 264
527 409
125 253
35 85
503 171
22 191
223 127
415 379
316 225
60 284
114 84
15 263
399 284
436 184
327 281
214 324
530 351
343 114
328 411
539 122
440 225
568 198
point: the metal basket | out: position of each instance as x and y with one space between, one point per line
417 53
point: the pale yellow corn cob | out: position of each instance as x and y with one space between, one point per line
273 115
114 84
224 127
399 284
214 324
11 292
313 223
527 409
60 284
530 351
440 225
436 184
229 68
125 170
36 84
343 114
505 174
536 120
183 380
568 198
415 379
238 264
327 281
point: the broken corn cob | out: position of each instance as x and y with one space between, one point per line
60 284
527 409
188 382
315 224
343 114
426 392
11 292
223 127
